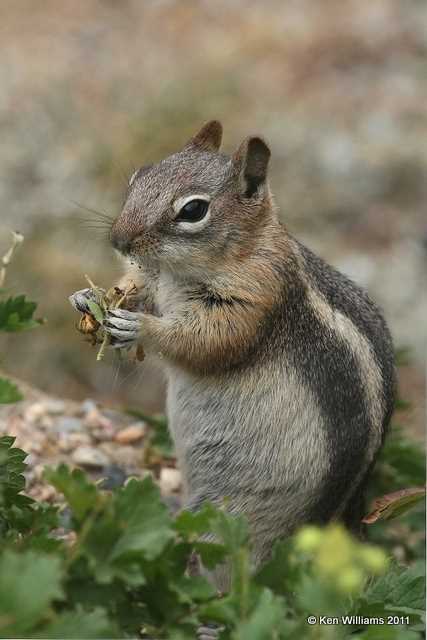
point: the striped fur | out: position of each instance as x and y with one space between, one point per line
280 370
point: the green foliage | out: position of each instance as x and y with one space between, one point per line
96 311
19 514
9 392
16 314
123 573
401 464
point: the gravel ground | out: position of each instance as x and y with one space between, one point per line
109 445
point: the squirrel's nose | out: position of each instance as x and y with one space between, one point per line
121 241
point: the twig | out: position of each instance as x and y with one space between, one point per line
18 238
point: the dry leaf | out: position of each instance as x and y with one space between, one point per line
394 504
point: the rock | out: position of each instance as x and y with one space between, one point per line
114 477
95 420
54 407
46 422
88 405
170 480
103 435
33 447
34 412
89 457
47 493
39 471
69 441
131 434
102 428
67 424
127 456
77 439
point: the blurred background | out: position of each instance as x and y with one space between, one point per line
91 90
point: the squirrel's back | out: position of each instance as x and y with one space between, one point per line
337 341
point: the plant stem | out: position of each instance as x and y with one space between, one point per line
18 238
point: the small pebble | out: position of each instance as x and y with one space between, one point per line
34 412
103 435
67 424
114 477
54 407
95 420
47 493
76 439
69 441
130 434
170 480
89 457
88 405
46 422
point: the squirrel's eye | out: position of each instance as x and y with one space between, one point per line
193 211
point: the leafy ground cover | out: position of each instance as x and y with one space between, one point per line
123 571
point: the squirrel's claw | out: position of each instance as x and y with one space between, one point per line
123 327
79 300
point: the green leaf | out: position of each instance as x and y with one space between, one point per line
401 405
146 524
81 495
282 572
401 463
9 392
387 632
96 311
77 624
119 531
16 314
11 462
192 524
16 510
265 621
400 590
29 582
232 530
210 553
195 589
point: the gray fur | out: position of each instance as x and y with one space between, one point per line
288 425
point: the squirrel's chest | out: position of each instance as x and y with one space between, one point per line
170 297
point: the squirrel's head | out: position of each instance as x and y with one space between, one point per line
196 208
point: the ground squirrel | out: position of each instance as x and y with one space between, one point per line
280 369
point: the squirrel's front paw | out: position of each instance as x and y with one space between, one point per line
123 327
79 300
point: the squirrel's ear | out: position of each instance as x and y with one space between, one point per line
251 160
209 137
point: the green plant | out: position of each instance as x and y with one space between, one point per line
121 570
16 314
401 464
